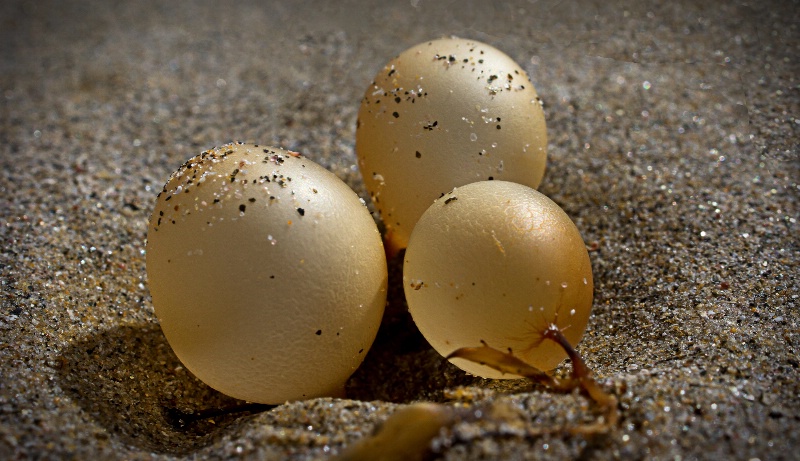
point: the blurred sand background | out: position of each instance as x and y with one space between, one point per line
673 133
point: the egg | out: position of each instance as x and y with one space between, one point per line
498 262
443 114
267 273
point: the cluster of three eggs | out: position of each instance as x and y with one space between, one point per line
268 274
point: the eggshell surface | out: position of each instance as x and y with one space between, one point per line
440 115
267 273
498 262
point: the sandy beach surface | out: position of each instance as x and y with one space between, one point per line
673 145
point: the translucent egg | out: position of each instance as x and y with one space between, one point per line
267 273
498 262
443 114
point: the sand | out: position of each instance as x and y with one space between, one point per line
673 146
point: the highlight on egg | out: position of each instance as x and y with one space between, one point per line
498 262
443 114
267 273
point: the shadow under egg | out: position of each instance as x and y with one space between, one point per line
401 366
129 381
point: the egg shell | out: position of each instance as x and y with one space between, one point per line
267 273
443 114
497 261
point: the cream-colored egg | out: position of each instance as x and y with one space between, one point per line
267 273
498 262
443 114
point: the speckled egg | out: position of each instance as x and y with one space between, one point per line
499 262
267 273
443 114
